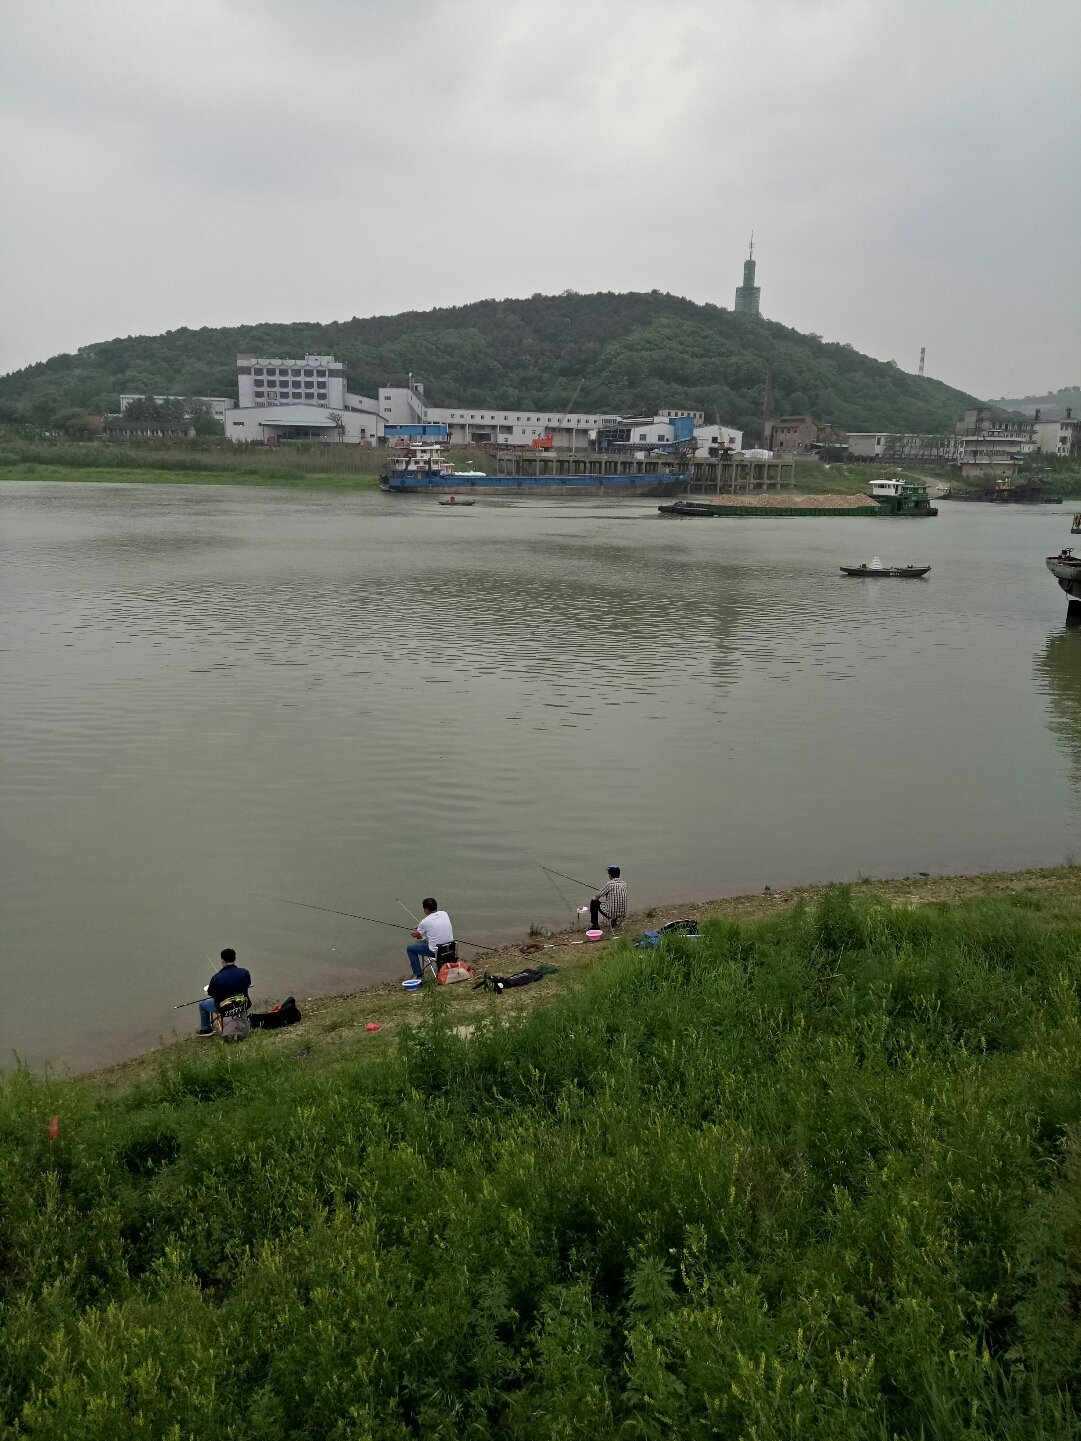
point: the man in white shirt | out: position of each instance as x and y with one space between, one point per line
433 930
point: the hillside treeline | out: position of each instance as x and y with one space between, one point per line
634 354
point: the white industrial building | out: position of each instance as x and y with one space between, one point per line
286 399
218 405
282 399
489 424
1057 437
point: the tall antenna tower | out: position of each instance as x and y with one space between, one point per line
923 352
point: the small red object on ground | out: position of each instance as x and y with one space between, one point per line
53 1132
371 1026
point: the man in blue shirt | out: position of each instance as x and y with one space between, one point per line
227 992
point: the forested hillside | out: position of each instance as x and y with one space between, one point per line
1052 405
636 352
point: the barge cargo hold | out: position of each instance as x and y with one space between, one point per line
762 511
561 487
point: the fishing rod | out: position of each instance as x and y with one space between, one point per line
408 912
562 877
375 921
182 1004
558 892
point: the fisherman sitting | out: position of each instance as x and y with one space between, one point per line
434 932
610 901
227 999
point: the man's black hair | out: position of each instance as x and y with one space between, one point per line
229 956
613 871
430 903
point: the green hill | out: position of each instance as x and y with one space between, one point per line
636 352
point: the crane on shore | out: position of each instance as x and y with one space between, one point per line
548 440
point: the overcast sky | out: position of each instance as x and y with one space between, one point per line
911 168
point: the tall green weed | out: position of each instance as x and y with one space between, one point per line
813 1174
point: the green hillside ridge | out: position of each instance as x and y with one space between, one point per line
1053 404
815 1174
638 352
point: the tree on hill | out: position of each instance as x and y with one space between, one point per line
637 351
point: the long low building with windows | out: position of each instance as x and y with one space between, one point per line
281 399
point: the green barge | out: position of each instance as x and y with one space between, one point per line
896 497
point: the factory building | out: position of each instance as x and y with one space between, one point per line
309 399
218 405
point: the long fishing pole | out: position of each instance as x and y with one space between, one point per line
375 921
408 912
558 892
562 877
182 1004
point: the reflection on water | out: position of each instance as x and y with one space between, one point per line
212 697
1059 668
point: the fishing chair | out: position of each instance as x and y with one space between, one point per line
445 955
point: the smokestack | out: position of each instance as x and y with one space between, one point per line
923 352
1037 412
1069 412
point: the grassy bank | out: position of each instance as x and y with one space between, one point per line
279 476
813 1174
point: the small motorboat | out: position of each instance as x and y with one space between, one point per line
1066 568
890 572
453 500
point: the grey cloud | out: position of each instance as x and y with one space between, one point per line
907 167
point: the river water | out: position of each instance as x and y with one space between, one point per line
212 697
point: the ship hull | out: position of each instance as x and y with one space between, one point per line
560 487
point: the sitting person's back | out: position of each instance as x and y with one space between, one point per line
227 997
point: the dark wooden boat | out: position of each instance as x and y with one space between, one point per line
453 500
891 572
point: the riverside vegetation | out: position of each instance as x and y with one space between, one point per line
812 1174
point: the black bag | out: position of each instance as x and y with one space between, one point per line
525 977
287 1014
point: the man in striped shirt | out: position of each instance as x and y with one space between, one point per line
610 901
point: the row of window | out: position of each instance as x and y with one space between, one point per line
274 370
540 419
309 387
271 399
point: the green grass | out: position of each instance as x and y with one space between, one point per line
813 1175
266 475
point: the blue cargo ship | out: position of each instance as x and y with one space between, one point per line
425 470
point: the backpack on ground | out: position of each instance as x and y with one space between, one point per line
287 1013
236 1027
235 1022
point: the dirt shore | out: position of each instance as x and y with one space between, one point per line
331 1020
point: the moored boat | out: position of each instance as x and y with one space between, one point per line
1066 568
889 572
453 500
423 469
898 496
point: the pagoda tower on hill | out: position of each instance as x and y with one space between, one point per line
748 295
